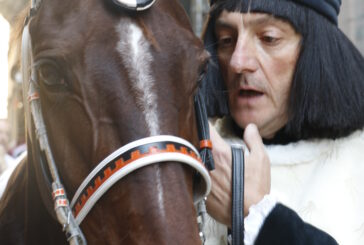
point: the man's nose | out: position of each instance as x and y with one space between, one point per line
244 57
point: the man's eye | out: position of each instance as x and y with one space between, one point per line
269 40
226 41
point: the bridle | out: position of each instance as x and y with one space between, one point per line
121 162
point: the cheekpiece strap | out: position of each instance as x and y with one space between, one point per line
203 132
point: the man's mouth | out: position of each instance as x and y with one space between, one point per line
249 93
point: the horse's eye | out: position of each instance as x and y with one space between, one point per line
50 76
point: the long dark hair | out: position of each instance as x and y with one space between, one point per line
327 94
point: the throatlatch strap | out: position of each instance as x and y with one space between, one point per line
237 210
203 132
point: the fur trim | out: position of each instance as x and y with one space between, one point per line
300 152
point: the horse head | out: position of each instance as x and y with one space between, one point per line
103 76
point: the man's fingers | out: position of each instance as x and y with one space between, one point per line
214 135
253 139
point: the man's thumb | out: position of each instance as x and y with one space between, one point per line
252 138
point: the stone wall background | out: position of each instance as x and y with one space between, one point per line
351 21
351 18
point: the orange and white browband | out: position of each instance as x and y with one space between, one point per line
135 155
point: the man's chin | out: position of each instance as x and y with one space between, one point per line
244 120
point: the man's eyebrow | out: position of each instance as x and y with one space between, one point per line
262 20
258 21
222 24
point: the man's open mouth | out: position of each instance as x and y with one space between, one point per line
249 93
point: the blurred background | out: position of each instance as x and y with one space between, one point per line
351 21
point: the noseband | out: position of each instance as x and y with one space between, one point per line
135 155
125 160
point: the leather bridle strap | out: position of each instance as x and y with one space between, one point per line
135 155
237 209
33 112
203 131
205 152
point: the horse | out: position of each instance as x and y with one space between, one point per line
106 82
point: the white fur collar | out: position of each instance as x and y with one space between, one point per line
300 152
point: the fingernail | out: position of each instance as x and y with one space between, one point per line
251 126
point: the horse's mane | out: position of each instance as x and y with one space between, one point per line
17 28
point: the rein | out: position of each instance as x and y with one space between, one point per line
118 164
237 207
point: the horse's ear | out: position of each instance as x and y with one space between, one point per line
213 87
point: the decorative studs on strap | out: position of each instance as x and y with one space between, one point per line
33 96
58 192
205 144
59 197
62 202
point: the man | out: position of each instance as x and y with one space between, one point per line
289 83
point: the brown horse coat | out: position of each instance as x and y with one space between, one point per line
108 77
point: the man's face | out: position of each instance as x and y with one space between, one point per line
257 54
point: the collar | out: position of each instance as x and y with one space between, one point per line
300 152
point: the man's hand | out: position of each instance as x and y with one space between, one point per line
257 174
257 169
219 201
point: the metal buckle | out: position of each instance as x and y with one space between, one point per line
134 5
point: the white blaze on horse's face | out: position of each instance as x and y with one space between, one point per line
134 49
